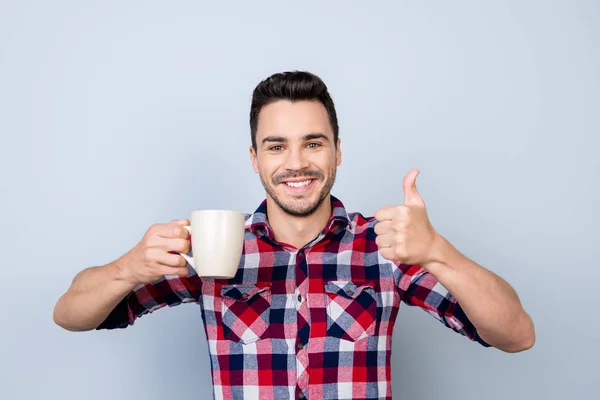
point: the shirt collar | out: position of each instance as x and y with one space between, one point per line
258 224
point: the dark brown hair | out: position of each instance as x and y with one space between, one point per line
293 86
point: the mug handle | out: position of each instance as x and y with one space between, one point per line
189 259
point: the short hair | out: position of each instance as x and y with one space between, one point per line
293 86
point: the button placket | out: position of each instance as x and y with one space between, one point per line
303 318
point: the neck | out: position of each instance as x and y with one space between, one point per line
297 231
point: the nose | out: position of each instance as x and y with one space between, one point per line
296 160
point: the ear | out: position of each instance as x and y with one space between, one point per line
338 152
253 159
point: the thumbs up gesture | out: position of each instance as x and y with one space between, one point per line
404 233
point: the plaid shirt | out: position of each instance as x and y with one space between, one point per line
313 323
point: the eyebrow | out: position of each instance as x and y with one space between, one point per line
281 139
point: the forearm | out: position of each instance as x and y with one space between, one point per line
93 294
489 302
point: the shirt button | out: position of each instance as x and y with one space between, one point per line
299 298
349 292
300 395
300 346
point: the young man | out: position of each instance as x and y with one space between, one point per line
311 311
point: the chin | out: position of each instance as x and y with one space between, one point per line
300 211
300 207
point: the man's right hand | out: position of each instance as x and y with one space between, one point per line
157 254
96 291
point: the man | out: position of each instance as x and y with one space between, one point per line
311 311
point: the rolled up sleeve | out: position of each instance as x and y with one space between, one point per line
417 287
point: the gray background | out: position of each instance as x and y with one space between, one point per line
115 116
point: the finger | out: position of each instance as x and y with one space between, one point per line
182 222
387 253
383 227
180 271
411 194
385 213
170 260
384 241
173 230
177 245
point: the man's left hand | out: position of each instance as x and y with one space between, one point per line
404 233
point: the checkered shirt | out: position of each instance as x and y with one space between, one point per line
309 323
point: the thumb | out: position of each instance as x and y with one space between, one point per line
411 194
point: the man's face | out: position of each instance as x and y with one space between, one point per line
296 156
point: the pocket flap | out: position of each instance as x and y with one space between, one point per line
348 289
242 293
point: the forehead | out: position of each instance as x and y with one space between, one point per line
293 119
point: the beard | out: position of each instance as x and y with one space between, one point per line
300 207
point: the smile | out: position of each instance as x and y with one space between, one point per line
299 184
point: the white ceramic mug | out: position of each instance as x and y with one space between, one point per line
217 242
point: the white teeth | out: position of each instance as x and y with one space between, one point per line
299 184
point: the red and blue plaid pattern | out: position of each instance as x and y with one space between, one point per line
313 323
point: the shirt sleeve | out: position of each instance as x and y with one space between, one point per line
143 299
417 287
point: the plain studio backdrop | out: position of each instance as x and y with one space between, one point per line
118 115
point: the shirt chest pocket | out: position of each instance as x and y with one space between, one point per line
245 312
351 309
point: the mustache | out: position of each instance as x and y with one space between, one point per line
307 174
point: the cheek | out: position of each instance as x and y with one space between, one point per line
324 162
267 169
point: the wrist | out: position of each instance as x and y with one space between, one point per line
120 272
440 253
